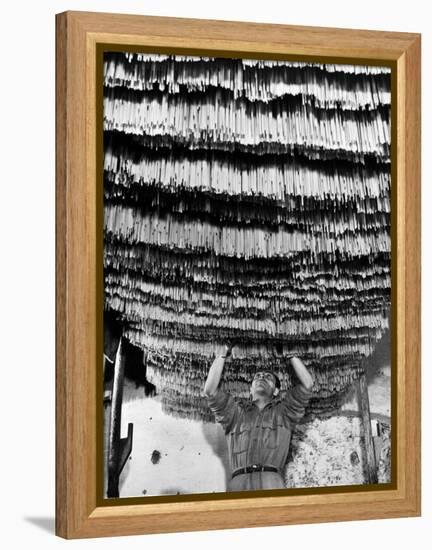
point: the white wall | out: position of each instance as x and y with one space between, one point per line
27 274
193 454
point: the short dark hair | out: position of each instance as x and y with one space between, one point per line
278 383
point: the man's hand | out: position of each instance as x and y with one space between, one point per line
227 350
278 349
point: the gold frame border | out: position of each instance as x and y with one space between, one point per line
78 513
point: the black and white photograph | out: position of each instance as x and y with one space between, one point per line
247 275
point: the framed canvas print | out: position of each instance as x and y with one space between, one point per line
238 274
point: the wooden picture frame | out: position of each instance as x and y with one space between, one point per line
78 305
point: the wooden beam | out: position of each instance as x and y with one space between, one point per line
363 395
114 449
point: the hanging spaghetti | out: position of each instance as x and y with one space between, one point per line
247 199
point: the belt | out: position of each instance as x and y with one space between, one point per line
254 468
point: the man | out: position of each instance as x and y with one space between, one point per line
258 431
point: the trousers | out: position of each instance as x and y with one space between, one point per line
256 481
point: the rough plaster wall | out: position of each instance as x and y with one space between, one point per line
331 452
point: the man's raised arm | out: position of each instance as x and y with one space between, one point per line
302 373
297 398
215 372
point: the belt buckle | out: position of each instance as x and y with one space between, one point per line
256 467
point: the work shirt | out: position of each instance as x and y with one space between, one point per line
257 436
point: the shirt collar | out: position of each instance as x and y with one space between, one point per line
270 404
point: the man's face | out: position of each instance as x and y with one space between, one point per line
263 384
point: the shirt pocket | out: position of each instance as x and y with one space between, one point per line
240 439
271 433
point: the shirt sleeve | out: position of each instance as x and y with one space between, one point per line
295 402
225 409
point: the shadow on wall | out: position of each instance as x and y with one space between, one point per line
215 437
